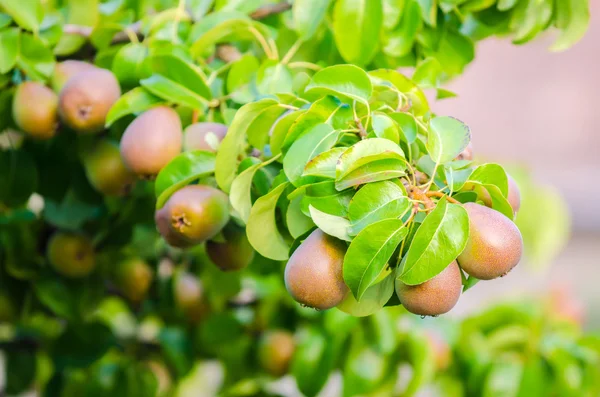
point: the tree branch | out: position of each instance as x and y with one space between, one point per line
135 28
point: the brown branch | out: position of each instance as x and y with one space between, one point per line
440 195
135 28
417 194
271 9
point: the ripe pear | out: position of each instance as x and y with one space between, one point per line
198 136
313 274
35 110
86 99
71 255
435 296
66 70
151 141
134 277
192 215
495 244
188 295
235 253
275 352
106 171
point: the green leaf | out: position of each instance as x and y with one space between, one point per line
375 202
128 63
239 196
491 174
308 15
364 369
27 13
370 252
281 128
407 124
401 40
233 144
373 299
317 140
262 229
428 73
239 78
233 29
369 160
420 105
9 49
348 81
259 128
448 137
577 13
20 370
324 165
439 240
385 127
326 198
35 58
298 224
333 225
356 28
181 171
273 78
165 89
71 213
135 101
182 73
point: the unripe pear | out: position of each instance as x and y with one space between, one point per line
313 274
198 136
192 215
275 352
71 255
87 98
106 171
134 277
494 246
66 70
34 110
151 141
235 253
435 296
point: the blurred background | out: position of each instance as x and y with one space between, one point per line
539 109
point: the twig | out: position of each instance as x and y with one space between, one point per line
441 195
271 9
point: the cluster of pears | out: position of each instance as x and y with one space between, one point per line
314 276
81 96
72 255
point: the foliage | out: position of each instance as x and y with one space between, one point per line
323 131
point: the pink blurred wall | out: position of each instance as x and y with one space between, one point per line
542 109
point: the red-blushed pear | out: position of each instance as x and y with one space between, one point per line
313 274
151 141
134 277
203 136
192 215
35 110
494 246
275 352
435 296
87 98
105 169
